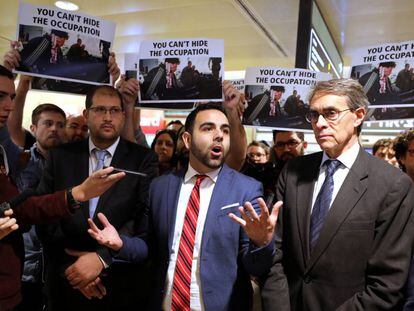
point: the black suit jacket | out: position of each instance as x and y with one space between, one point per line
362 257
125 205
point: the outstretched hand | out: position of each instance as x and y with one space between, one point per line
108 236
259 228
96 184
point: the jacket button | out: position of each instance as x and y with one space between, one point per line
307 279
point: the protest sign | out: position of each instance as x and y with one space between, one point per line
180 71
277 97
64 45
386 73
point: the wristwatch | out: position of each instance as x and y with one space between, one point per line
71 200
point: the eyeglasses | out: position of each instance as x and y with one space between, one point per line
290 143
101 110
253 155
329 115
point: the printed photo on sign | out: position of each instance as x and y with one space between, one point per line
277 97
386 73
181 70
131 71
66 46
61 86
176 79
389 113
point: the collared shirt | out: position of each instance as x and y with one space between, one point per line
93 161
347 159
206 191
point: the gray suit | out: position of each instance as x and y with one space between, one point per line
362 257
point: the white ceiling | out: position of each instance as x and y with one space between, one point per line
353 24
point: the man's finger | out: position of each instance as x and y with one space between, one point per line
115 177
93 227
276 208
264 211
8 212
100 286
246 217
253 215
238 220
102 218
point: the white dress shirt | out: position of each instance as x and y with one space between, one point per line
206 191
93 161
347 159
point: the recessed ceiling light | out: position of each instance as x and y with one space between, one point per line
67 5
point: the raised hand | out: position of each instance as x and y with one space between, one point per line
259 228
11 59
113 68
108 236
232 99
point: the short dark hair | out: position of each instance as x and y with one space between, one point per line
174 122
301 135
278 88
173 60
46 108
382 143
260 144
4 72
189 122
102 90
401 143
387 64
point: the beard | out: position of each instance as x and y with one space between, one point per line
205 158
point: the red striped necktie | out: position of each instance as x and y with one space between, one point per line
182 274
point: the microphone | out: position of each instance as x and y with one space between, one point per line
16 200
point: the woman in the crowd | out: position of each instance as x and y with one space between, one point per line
257 152
164 145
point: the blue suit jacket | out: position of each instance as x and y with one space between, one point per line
227 258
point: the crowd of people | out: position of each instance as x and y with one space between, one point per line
95 219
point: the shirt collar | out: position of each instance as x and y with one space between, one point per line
347 158
191 172
111 149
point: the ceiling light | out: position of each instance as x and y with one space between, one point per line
67 5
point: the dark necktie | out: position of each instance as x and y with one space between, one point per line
322 202
182 273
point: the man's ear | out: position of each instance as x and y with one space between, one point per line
85 113
33 128
360 113
305 144
186 136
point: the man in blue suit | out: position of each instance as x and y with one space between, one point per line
202 260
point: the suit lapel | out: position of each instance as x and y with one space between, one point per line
354 186
173 195
83 170
306 183
220 191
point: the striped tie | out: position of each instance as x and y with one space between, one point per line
182 274
322 202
